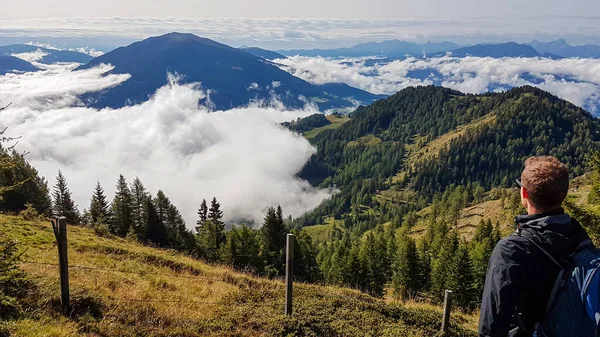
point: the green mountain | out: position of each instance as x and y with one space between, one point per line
423 140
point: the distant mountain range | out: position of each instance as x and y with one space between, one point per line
51 55
266 54
562 48
509 49
234 76
390 48
11 64
399 49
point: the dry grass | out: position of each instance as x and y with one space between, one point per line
320 233
364 141
209 300
469 320
336 122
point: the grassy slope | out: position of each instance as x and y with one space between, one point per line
242 305
420 152
336 122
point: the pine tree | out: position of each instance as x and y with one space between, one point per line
372 257
425 267
122 209
207 239
461 280
63 202
483 231
177 231
202 215
215 215
242 249
443 266
139 197
20 183
306 268
273 232
155 229
406 280
99 211
480 256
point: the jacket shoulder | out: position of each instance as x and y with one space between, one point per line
511 249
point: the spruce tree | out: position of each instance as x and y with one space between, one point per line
155 229
406 280
306 268
242 249
202 215
273 232
483 230
122 209
99 211
63 204
177 231
425 267
461 280
480 256
139 197
372 257
443 266
215 215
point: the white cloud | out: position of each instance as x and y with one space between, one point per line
286 33
56 87
577 80
31 56
241 156
84 50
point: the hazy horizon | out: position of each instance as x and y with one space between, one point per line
300 33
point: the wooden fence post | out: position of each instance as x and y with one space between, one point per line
448 295
289 274
59 225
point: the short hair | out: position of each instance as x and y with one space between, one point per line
546 181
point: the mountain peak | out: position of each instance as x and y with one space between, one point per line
10 64
562 41
234 76
184 38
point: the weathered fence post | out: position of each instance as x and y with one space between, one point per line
289 274
447 308
59 225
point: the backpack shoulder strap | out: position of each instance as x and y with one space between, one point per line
561 279
530 236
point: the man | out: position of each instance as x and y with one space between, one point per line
521 276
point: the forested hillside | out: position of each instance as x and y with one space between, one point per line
371 152
408 168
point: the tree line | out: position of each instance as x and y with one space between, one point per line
391 257
135 214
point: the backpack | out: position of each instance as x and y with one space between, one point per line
573 308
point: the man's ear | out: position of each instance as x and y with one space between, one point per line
524 194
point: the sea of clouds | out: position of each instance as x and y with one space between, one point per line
576 80
293 33
241 156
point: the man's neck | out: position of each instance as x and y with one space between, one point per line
532 210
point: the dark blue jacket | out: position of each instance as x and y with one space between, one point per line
520 276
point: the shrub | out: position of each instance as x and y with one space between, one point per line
14 283
30 213
83 305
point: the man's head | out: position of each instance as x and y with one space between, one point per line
545 184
